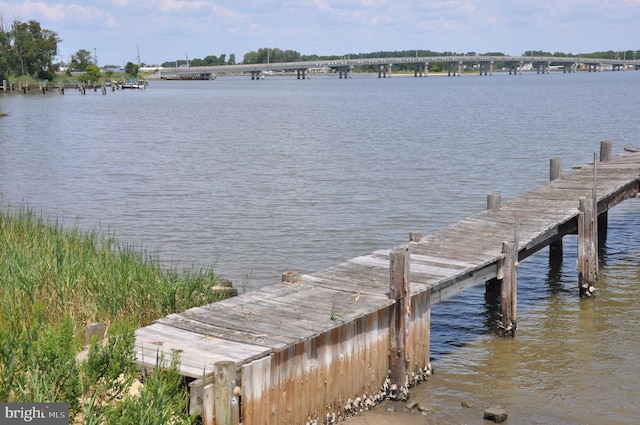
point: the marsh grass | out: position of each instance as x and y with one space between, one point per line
56 280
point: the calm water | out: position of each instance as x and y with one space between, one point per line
259 177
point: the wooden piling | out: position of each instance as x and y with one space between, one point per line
94 330
415 236
507 291
226 407
493 201
399 328
587 254
555 248
606 147
555 168
290 277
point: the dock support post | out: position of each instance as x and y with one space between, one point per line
606 147
555 168
290 277
493 201
508 294
415 236
225 403
399 329
587 254
555 248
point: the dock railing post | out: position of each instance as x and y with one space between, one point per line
587 255
399 328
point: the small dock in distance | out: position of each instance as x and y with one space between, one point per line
44 87
317 348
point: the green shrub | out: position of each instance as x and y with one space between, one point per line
162 401
82 278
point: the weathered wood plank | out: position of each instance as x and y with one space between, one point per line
181 321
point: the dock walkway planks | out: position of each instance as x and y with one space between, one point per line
278 318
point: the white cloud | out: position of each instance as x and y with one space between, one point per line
229 15
58 13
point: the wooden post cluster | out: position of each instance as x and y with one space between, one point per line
592 226
399 329
215 396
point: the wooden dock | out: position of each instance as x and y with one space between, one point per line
319 347
44 87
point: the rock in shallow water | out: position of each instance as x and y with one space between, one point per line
495 414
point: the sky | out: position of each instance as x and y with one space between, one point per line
155 31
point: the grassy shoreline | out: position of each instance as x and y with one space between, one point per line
57 280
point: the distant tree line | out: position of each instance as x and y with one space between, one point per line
610 54
210 60
27 49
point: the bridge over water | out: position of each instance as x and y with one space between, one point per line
454 64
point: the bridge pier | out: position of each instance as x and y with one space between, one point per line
384 70
486 66
346 71
419 69
455 67
515 68
543 67
304 72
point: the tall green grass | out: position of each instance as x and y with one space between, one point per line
54 281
